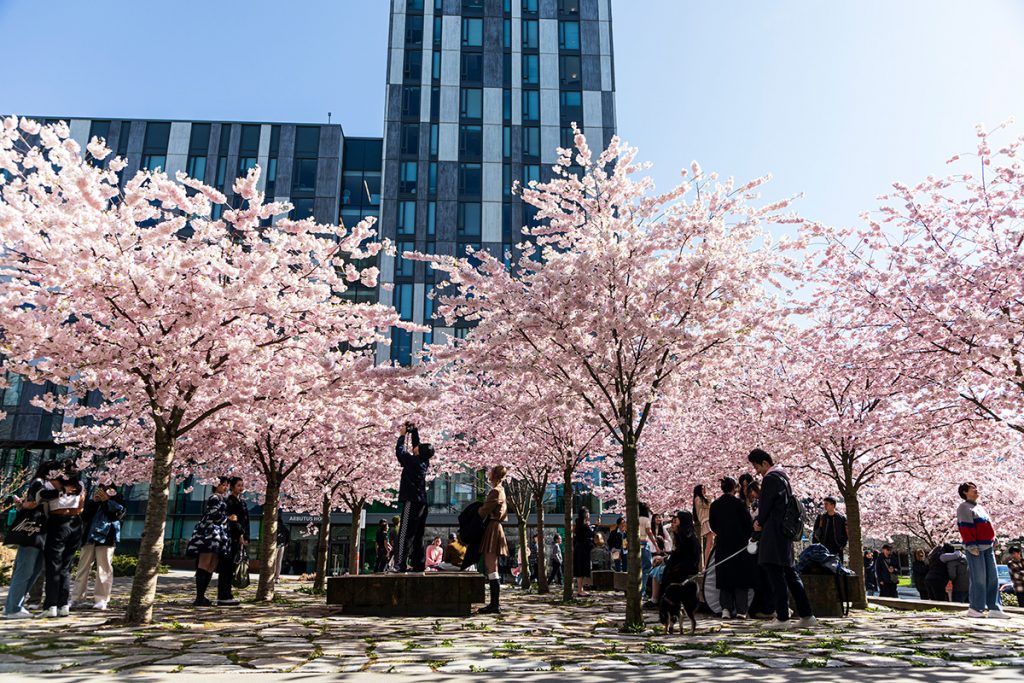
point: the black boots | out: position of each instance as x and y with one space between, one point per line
493 608
203 578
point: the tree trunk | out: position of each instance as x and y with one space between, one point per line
151 546
634 609
323 545
859 598
268 539
524 560
353 543
569 550
542 549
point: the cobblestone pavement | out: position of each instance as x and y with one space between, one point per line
299 634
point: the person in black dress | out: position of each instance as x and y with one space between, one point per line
582 544
732 526
210 540
238 533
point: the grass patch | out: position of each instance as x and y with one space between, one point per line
634 629
447 643
655 648
436 664
831 643
983 662
721 649
413 645
811 663
511 645
310 590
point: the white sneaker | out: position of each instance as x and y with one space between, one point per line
47 613
23 614
807 622
726 616
64 611
974 614
998 614
776 625
100 605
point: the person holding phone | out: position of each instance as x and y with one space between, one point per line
101 521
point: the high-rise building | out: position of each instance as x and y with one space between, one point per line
480 94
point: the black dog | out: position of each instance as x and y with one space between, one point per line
675 598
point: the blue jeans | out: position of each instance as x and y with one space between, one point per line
984 591
28 564
646 562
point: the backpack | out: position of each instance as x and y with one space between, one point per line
794 517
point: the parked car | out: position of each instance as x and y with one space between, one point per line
1005 583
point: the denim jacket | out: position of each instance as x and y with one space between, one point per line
105 528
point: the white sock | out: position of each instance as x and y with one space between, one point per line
493 576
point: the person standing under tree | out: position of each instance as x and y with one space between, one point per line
210 540
556 560
887 570
582 544
412 499
63 536
979 537
284 539
830 529
1016 566
102 524
732 527
493 545
701 519
918 570
775 549
238 535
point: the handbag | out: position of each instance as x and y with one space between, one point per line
241 578
28 529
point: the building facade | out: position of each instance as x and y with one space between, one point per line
480 94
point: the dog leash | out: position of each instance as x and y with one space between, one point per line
693 578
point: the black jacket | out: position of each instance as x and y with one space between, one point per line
830 531
684 560
413 485
882 566
615 539
732 525
240 528
773 547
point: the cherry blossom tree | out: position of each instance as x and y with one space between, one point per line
937 271
618 294
142 295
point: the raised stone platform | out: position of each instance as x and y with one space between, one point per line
608 580
430 594
823 592
930 605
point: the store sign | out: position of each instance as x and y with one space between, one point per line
336 518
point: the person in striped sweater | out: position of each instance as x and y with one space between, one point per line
979 539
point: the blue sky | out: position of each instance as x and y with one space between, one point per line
837 100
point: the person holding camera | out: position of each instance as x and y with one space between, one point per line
412 499
102 523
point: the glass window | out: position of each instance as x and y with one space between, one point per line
506 104
531 33
371 186
196 168
435 101
433 139
531 69
531 172
302 208
199 139
410 139
438 24
472 66
470 179
472 5
431 218
406 218
569 35
249 141
569 7
407 178
471 140
304 178
101 129
469 219
155 141
414 5
271 177
572 106
569 70
413 30
472 32
472 103
531 105
244 164
435 66
432 178
506 185
351 188
531 141
413 68
506 141
428 307
568 137
153 162
403 300
411 101
12 394
529 6
401 340
403 266
222 170
506 33
307 141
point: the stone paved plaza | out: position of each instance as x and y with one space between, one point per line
299 634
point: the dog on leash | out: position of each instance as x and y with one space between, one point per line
677 598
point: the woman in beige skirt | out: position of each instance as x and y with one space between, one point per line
494 511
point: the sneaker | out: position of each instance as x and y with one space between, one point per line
776 625
64 611
489 609
650 605
998 614
228 603
23 614
726 616
47 613
202 602
742 616
101 605
974 614
807 622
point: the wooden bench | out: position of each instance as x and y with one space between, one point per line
604 579
430 594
